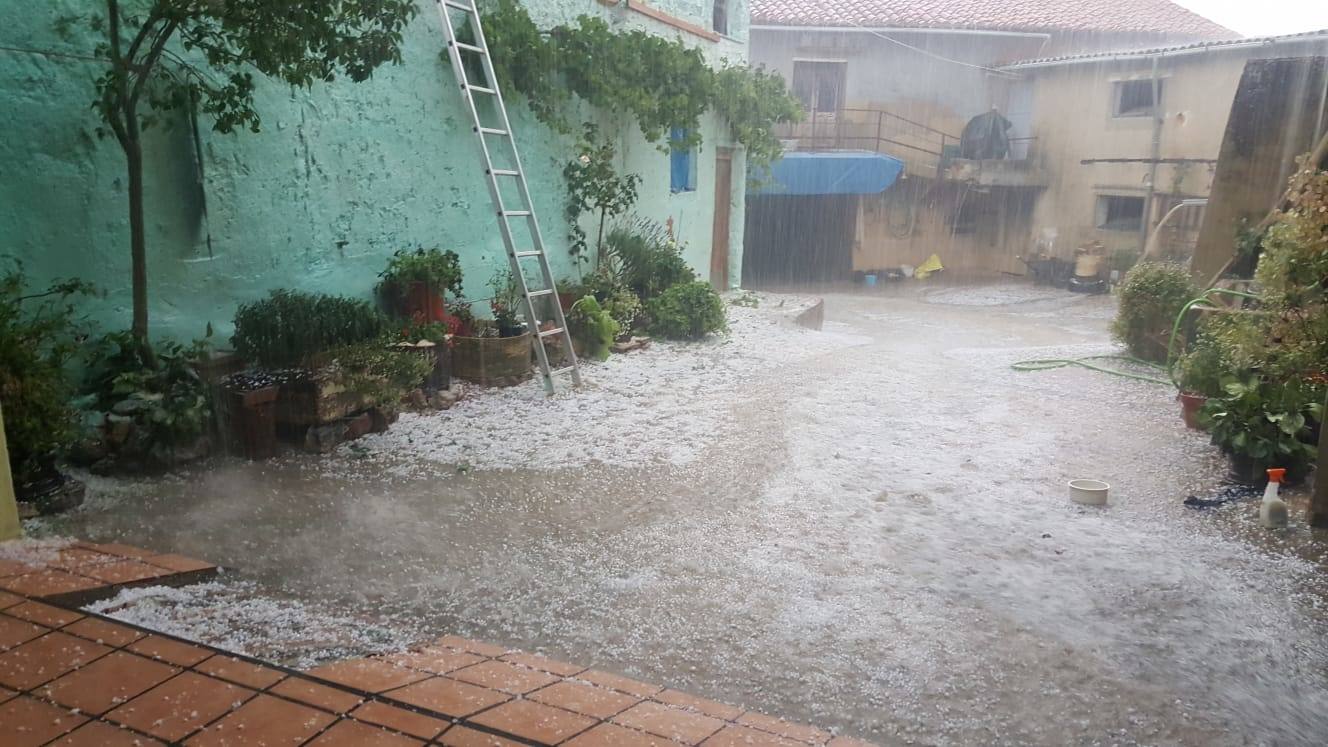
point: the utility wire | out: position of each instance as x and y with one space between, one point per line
919 50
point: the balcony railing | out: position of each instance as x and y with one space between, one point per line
924 149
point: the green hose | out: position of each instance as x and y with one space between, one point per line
1044 364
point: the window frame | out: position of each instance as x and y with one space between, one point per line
682 160
719 19
1118 89
1102 213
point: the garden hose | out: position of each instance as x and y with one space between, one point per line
1044 364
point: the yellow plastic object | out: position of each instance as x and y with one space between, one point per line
10 528
933 264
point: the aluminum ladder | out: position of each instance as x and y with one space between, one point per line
526 209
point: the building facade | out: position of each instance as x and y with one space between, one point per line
341 175
905 77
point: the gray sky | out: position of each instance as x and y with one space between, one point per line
1263 17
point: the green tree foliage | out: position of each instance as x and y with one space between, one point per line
167 55
39 333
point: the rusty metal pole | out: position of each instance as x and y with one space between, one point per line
1318 513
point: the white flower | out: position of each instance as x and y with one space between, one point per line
584 159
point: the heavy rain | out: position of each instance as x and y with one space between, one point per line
777 373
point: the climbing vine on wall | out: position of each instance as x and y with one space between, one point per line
664 84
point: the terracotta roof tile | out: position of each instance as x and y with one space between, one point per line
1108 16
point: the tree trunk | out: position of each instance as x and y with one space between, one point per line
138 243
1318 513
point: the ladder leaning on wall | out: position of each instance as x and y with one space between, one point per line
500 134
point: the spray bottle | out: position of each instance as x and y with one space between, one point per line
1273 511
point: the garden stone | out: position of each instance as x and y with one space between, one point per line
128 406
118 428
381 418
417 399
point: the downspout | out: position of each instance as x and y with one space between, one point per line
1153 159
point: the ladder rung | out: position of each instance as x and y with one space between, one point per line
459 6
541 292
504 172
469 47
514 213
561 371
551 332
523 255
493 131
481 89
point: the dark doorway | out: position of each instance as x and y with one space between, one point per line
798 239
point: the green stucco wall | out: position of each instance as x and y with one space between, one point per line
339 178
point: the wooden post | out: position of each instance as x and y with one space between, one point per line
10 528
1318 513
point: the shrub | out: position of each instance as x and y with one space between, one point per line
38 336
168 402
1150 298
439 270
377 372
287 327
1264 422
646 259
593 326
1201 370
625 308
688 311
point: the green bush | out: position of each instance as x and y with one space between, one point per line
287 327
1150 297
688 311
593 326
167 402
38 336
440 270
646 259
1265 423
378 373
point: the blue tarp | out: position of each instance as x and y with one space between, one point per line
829 173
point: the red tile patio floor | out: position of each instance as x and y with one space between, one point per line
73 678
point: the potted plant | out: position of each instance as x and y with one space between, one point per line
1262 425
252 407
593 329
496 353
1199 375
432 341
414 284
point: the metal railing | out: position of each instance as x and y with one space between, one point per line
921 146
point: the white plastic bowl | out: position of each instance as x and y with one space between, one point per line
1089 492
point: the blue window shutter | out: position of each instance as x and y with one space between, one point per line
680 163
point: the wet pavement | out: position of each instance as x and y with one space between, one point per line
870 532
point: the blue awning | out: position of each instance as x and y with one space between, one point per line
829 173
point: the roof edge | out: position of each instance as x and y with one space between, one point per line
1304 37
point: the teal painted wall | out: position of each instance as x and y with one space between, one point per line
339 178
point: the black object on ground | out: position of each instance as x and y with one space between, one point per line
1225 494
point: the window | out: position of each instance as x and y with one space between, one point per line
1116 213
1134 98
721 21
819 84
682 162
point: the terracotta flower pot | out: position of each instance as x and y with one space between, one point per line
1190 404
422 302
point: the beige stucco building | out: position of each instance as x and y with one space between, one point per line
1114 163
1090 159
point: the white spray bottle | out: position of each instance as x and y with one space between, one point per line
1273 511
